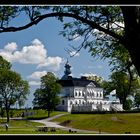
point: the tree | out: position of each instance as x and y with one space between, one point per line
128 104
124 88
100 26
137 100
38 97
12 87
47 96
4 64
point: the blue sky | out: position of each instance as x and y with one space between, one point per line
35 51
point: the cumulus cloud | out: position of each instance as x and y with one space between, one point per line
34 78
52 63
31 54
88 74
10 47
37 75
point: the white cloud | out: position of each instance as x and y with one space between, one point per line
31 54
88 74
74 53
34 83
11 47
52 63
37 75
34 78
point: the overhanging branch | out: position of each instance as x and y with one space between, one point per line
57 14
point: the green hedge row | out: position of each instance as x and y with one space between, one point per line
106 112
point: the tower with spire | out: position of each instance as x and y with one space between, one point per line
82 94
67 71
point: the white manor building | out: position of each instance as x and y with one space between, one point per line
81 94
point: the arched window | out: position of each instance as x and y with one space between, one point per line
101 94
75 93
79 93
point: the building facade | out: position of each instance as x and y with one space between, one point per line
81 95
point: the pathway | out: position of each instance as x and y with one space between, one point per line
48 123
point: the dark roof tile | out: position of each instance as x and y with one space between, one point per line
76 82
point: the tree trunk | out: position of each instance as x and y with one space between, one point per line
49 113
135 55
123 102
122 99
131 16
7 114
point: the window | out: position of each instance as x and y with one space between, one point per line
63 102
100 94
75 93
70 102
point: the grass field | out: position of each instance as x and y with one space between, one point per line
26 126
110 123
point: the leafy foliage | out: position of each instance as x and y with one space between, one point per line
137 100
4 64
46 97
12 87
104 30
124 87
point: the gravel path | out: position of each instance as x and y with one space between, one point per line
56 125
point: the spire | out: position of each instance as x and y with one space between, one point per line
67 68
67 71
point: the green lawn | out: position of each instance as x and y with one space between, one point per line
28 127
42 114
111 123
25 127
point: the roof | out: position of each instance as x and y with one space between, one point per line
81 82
